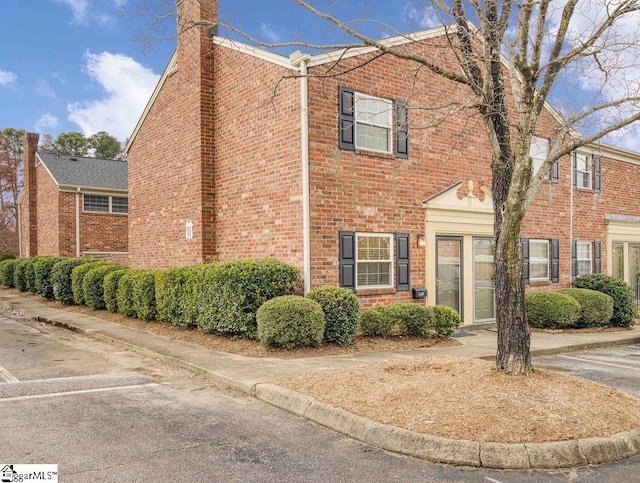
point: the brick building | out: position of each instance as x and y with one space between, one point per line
72 206
242 152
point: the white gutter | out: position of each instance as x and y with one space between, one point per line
78 223
301 61
19 230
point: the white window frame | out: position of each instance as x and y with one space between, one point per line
358 121
585 161
584 245
110 203
539 150
538 260
390 260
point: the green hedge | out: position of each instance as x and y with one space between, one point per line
61 279
30 274
624 306
7 269
596 308
124 294
42 268
290 321
377 322
77 277
226 296
552 310
110 284
173 286
413 319
341 311
447 320
143 284
7 255
93 285
20 275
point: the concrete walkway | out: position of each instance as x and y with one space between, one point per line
255 375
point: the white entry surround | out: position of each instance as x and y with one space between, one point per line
462 218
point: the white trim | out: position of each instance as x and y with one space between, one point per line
172 67
256 52
388 236
545 241
104 254
389 128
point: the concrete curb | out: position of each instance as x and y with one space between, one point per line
562 454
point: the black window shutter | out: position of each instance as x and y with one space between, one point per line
575 169
555 171
555 260
346 119
402 129
574 259
402 262
597 259
525 257
348 259
597 174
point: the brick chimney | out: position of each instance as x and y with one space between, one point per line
28 219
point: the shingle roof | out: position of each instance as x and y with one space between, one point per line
85 172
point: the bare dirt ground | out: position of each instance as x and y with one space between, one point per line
451 397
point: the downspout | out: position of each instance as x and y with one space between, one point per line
19 231
78 222
301 61
571 219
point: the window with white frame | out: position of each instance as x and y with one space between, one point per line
583 258
583 170
374 266
373 118
539 259
105 204
538 151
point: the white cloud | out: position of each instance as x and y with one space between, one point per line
7 78
46 121
78 7
269 34
424 17
44 89
119 3
128 86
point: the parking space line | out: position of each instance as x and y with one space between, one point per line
73 393
602 363
6 375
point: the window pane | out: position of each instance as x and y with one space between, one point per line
538 150
617 264
372 137
119 205
539 270
96 203
373 274
374 260
584 267
584 251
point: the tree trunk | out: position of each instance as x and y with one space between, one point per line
512 356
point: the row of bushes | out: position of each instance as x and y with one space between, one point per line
595 300
224 298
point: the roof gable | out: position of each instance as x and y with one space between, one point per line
80 172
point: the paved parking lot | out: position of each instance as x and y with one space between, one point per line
617 367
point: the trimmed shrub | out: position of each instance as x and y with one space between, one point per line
124 294
61 279
143 283
173 286
624 306
596 308
42 268
226 296
93 285
447 320
377 322
7 255
77 276
20 275
7 269
290 321
413 319
552 310
30 274
110 285
341 313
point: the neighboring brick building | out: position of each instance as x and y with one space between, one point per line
72 206
239 154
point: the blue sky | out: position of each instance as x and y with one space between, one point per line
73 65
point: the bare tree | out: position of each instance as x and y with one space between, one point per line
11 161
510 57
